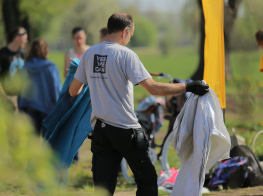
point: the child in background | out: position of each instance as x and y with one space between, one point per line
259 39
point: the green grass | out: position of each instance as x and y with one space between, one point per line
182 63
179 64
58 59
246 63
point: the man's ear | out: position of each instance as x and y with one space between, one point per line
124 32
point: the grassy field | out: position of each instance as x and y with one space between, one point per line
244 92
182 63
244 103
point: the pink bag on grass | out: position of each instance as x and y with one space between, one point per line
168 177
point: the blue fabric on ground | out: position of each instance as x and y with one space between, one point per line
224 171
68 125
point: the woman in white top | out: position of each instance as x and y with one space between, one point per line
79 38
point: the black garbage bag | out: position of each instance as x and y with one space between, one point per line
255 172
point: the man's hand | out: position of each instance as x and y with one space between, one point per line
197 88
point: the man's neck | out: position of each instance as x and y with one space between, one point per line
114 38
14 47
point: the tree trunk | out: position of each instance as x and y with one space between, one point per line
230 12
198 75
12 16
26 24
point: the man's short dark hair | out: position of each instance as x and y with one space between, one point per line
259 37
118 22
104 31
13 33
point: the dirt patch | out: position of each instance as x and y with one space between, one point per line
255 191
251 191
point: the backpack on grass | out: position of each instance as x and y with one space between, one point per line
255 172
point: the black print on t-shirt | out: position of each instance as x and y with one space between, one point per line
99 63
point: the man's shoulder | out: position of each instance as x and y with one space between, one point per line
94 47
114 47
125 51
91 49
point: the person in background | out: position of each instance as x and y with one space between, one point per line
259 37
79 38
40 95
103 34
12 57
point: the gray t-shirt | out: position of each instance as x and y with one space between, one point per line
111 71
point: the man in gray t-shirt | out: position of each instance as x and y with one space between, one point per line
111 70
114 71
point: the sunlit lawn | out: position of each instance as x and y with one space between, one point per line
182 63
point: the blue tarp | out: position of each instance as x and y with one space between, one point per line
68 125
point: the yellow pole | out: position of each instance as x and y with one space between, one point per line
214 69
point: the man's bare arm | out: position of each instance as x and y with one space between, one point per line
162 89
75 88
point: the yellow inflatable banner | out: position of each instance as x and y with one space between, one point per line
214 69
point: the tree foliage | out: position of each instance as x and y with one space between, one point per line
40 13
145 33
249 21
34 15
169 31
91 15
2 29
190 20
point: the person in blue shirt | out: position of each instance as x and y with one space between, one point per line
41 92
